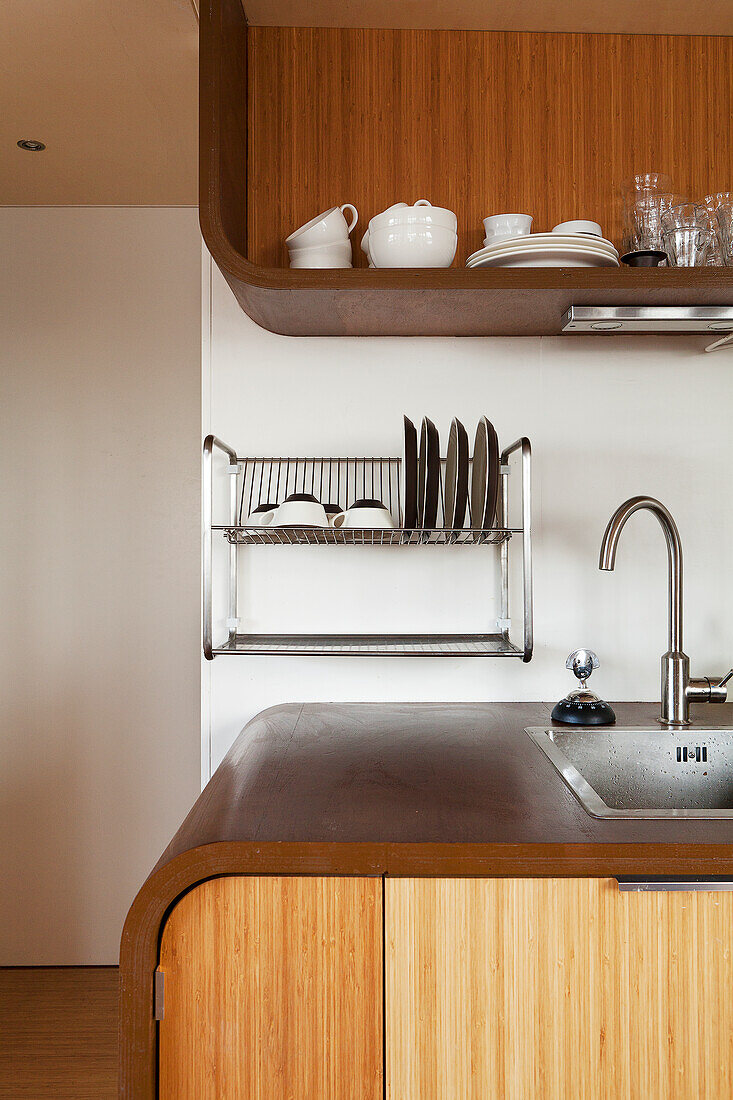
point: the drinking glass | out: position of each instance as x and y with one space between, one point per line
716 256
646 183
724 219
687 246
646 216
639 188
684 215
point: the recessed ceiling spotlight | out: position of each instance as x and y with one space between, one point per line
31 146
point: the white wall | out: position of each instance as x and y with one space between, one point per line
608 418
99 567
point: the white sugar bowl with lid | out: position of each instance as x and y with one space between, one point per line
421 235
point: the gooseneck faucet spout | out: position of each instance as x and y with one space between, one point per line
609 544
677 689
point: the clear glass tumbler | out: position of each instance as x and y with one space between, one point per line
724 220
646 183
639 188
646 216
687 246
716 256
685 215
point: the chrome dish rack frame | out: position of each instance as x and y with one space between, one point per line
255 481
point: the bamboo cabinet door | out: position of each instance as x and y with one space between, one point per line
273 991
556 989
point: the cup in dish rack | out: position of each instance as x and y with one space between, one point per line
364 513
500 227
297 510
261 516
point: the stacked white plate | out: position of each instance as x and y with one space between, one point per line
547 250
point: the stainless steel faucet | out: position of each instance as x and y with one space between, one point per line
678 689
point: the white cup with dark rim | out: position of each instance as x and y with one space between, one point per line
298 510
261 516
332 510
364 513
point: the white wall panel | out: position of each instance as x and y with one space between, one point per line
608 418
99 567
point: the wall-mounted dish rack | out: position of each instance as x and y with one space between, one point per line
255 481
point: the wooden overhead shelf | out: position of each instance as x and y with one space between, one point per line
295 120
594 16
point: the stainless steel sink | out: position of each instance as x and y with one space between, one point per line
651 773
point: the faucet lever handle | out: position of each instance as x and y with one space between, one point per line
725 679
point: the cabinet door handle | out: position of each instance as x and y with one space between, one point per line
667 884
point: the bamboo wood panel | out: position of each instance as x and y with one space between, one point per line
479 121
273 990
556 989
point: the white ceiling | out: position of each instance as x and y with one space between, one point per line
111 87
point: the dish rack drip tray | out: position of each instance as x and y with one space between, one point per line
258 482
372 645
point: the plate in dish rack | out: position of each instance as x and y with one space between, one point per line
547 256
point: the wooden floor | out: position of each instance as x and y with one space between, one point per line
58 1033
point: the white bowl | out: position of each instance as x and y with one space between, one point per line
422 213
499 227
579 227
413 246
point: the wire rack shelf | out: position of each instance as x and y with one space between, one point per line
337 483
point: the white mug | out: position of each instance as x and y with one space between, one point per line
297 510
327 228
261 516
331 510
364 513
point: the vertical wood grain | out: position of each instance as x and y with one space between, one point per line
273 990
504 989
479 121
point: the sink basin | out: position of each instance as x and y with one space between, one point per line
650 773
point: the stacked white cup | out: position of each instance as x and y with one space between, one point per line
324 240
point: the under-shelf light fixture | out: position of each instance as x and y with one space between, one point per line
30 145
659 319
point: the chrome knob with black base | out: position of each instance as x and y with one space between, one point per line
582 707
